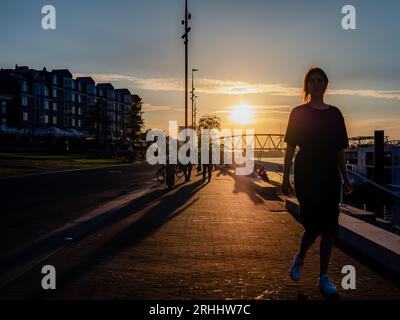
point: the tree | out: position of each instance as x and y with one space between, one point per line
209 121
135 117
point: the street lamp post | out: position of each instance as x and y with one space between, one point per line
195 110
192 98
185 36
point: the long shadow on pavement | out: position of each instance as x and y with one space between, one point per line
153 219
78 232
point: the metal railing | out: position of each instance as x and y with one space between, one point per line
397 195
262 142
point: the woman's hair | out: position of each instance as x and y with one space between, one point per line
310 72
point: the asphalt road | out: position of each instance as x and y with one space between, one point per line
32 206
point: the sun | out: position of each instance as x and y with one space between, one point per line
241 114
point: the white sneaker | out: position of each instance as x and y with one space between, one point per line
326 286
295 270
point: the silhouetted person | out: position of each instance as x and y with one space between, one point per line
207 167
199 162
169 171
187 169
320 132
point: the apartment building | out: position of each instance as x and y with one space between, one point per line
37 99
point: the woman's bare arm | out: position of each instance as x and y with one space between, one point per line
342 165
288 161
348 188
286 187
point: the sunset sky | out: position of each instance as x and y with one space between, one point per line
252 55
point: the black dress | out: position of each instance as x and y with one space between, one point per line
317 181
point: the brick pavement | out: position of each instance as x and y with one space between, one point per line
216 240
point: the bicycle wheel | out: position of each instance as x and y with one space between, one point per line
161 173
179 172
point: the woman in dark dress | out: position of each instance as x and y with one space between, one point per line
320 132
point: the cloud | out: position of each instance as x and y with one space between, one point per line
154 108
259 109
213 86
377 123
269 107
383 94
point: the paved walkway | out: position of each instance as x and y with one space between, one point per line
215 240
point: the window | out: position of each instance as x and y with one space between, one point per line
111 106
127 99
110 94
24 101
387 158
4 122
54 106
100 92
67 95
73 97
46 104
54 120
73 110
91 89
4 107
67 83
25 116
55 80
92 100
67 122
79 111
46 91
73 122
79 86
67 108
24 86
46 118
79 98
79 123
54 93
38 88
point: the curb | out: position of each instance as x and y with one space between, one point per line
262 187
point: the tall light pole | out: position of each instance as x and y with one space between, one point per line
192 98
185 36
195 111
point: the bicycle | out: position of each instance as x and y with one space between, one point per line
162 172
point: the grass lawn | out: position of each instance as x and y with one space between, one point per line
16 163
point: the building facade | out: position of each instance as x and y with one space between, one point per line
35 99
